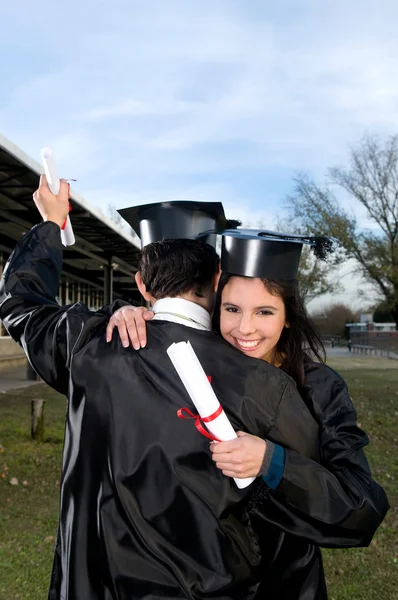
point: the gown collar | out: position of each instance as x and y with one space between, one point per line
185 312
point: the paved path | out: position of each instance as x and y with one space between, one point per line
341 358
340 352
14 378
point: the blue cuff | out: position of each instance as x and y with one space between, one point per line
275 469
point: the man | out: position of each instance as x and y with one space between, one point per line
144 511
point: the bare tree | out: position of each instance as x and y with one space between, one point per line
371 179
332 319
316 277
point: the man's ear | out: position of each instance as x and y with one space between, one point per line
142 287
216 277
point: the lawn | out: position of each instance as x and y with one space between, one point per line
29 509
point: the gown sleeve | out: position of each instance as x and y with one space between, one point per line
28 308
334 502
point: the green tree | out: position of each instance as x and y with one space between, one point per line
371 180
382 313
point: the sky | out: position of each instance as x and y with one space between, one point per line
220 100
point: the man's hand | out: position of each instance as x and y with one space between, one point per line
241 457
130 321
51 207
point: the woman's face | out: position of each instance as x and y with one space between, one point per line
251 318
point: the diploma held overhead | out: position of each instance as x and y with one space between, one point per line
202 395
50 171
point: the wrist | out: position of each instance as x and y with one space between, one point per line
267 458
54 219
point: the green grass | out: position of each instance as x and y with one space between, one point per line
29 513
372 573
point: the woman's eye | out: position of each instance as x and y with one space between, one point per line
265 312
231 309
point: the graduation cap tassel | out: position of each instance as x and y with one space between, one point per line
322 246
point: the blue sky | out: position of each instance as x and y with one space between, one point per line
176 99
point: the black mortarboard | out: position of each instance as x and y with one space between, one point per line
267 254
176 219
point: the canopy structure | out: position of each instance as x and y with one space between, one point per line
99 267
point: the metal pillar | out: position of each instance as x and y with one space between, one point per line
108 283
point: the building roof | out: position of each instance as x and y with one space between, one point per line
99 240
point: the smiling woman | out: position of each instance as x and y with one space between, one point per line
266 319
253 329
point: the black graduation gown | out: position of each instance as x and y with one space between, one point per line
144 511
335 504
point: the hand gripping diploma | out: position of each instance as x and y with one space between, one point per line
67 235
202 395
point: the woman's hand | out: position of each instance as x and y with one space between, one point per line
130 321
241 457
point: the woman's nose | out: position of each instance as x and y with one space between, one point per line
247 325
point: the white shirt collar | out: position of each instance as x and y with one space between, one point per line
185 312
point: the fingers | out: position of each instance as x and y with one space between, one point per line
135 321
126 334
241 433
224 447
117 320
43 185
148 315
109 328
127 331
64 190
52 207
241 457
131 326
231 457
235 470
231 474
134 334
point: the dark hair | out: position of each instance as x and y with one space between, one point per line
296 339
173 267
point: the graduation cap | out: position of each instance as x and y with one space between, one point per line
267 254
176 219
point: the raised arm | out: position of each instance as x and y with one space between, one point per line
28 289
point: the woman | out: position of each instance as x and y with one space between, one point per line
333 504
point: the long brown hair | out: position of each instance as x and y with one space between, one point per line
297 339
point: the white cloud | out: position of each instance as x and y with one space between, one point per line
356 293
224 101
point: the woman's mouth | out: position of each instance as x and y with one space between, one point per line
247 345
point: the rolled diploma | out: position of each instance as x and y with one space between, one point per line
67 235
192 375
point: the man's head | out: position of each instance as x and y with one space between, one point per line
179 268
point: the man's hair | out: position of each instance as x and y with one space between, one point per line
174 267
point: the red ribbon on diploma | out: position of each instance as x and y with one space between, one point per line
198 424
70 208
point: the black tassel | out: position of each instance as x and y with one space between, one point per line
322 246
233 223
